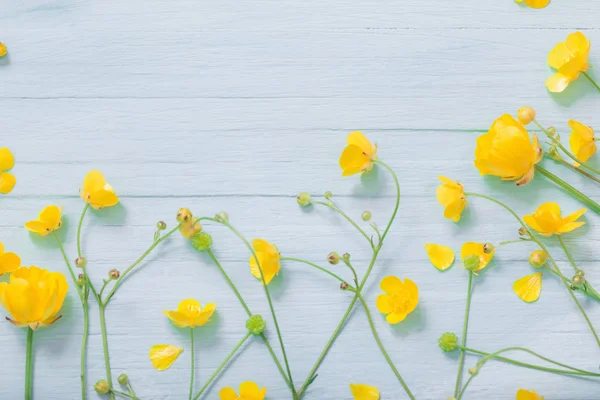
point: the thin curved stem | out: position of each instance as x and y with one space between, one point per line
461 361
192 363
29 366
513 241
382 347
574 192
129 396
568 253
578 170
85 209
328 272
346 217
69 267
591 80
223 364
101 309
397 205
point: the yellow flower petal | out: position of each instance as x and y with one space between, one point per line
384 304
2 49
102 198
359 139
48 221
581 141
557 83
523 394
440 256
162 356
228 394
548 221
391 284
364 392
96 192
577 43
529 287
470 248
451 195
7 182
537 3
7 159
396 317
353 160
268 258
9 262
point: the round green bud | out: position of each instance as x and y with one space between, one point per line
366 216
346 257
523 231
333 258
202 241
488 248
551 131
448 342
303 199
161 225
328 195
80 282
123 379
102 387
80 262
577 281
538 258
222 217
580 273
473 371
472 262
256 324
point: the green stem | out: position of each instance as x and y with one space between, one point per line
79 229
567 252
346 217
461 361
29 366
397 205
513 241
192 366
574 192
591 80
578 170
382 348
130 396
223 364
465 387
268 295
69 267
328 272
101 308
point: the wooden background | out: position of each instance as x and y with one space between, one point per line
223 105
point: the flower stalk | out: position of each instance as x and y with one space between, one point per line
29 366
461 361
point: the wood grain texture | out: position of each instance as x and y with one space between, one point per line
238 106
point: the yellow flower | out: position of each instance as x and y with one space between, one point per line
507 151
48 221
477 249
190 314
96 192
582 141
7 162
358 156
268 257
534 3
569 58
162 356
523 394
451 195
364 392
33 296
189 228
2 49
529 287
442 257
9 262
548 221
399 300
248 391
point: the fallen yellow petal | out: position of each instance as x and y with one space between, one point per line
442 257
529 287
364 392
162 356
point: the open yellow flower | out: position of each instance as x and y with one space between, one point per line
7 162
162 356
248 391
2 49
548 221
9 262
47 222
190 314
358 156
529 287
582 141
399 300
442 257
268 257
569 58
33 297
523 394
534 3
479 250
364 392
96 192
507 151
451 195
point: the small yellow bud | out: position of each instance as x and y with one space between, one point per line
114 274
333 258
184 215
523 231
366 216
526 115
102 387
80 262
538 258
303 199
2 49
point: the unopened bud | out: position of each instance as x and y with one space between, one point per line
114 274
473 371
80 262
488 248
303 199
333 258
123 379
102 387
328 195
344 285
580 273
80 282
472 262
222 217
256 324
551 131
448 342
523 231
366 216
578 282
161 225
346 257
538 258
526 115
184 215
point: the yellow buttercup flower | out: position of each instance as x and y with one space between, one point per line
529 287
479 250
162 356
507 151
364 392
48 221
9 262
7 162
582 141
33 297
523 394
399 300
534 3
2 49
248 391
268 257
451 195
569 58
548 221
96 192
190 314
442 257
358 156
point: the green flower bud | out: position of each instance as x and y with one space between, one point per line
202 241
80 282
344 285
161 225
256 324
114 274
448 342
472 262
80 262
538 258
366 216
488 248
102 387
577 282
523 232
303 199
551 131
123 379
473 371
333 258
580 273
222 217
328 195
183 215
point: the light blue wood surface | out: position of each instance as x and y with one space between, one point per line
237 106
